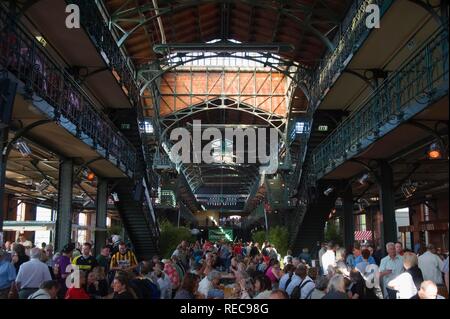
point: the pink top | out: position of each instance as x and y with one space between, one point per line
270 275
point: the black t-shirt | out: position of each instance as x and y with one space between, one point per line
416 275
102 290
85 263
123 295
358 288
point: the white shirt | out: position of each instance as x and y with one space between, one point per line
32 274
204 286
396 265
328 259
321 252
307 288
263 295
431 266
404 284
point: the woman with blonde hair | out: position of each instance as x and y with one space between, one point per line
408 283
336 288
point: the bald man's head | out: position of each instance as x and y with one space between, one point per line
428 290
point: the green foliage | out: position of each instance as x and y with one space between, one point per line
259 236
332 233
171 237
278 237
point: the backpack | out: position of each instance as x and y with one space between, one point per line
296 293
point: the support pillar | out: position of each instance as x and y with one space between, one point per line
64 212
349 221
387 203
7 96
101 213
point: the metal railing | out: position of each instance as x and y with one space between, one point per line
420 80
353 33
22 55
95 25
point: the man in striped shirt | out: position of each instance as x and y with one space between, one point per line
85 261
124 259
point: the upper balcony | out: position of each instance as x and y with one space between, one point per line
420 83
47 92
90 51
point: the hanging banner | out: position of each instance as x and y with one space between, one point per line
217 234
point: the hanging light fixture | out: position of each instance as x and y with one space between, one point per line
434 151
363 179
408 189
23 148
328 191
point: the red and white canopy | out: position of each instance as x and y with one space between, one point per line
363 235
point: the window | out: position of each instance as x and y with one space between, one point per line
222 152
82 236
82 219
147 127
361 222
301 127
43 214
238 59
21 212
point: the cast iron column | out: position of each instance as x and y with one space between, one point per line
64 213
387 203
349 222
100 216
7 95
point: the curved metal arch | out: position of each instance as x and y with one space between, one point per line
234 168
300 84
209 109
265 55
164 11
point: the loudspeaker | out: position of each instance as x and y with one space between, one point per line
8 90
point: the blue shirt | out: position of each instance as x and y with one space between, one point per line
359 259
32 274
283 281
7 274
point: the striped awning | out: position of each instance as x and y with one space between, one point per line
363 235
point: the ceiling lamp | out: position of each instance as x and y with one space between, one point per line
363 179
89 175
328 191
408 189
434 152
23 148
43 185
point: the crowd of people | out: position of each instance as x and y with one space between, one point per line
221 270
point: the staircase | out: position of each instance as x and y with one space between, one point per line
137 220
311 229
134 206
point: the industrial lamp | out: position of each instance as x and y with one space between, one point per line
434 152
328 191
